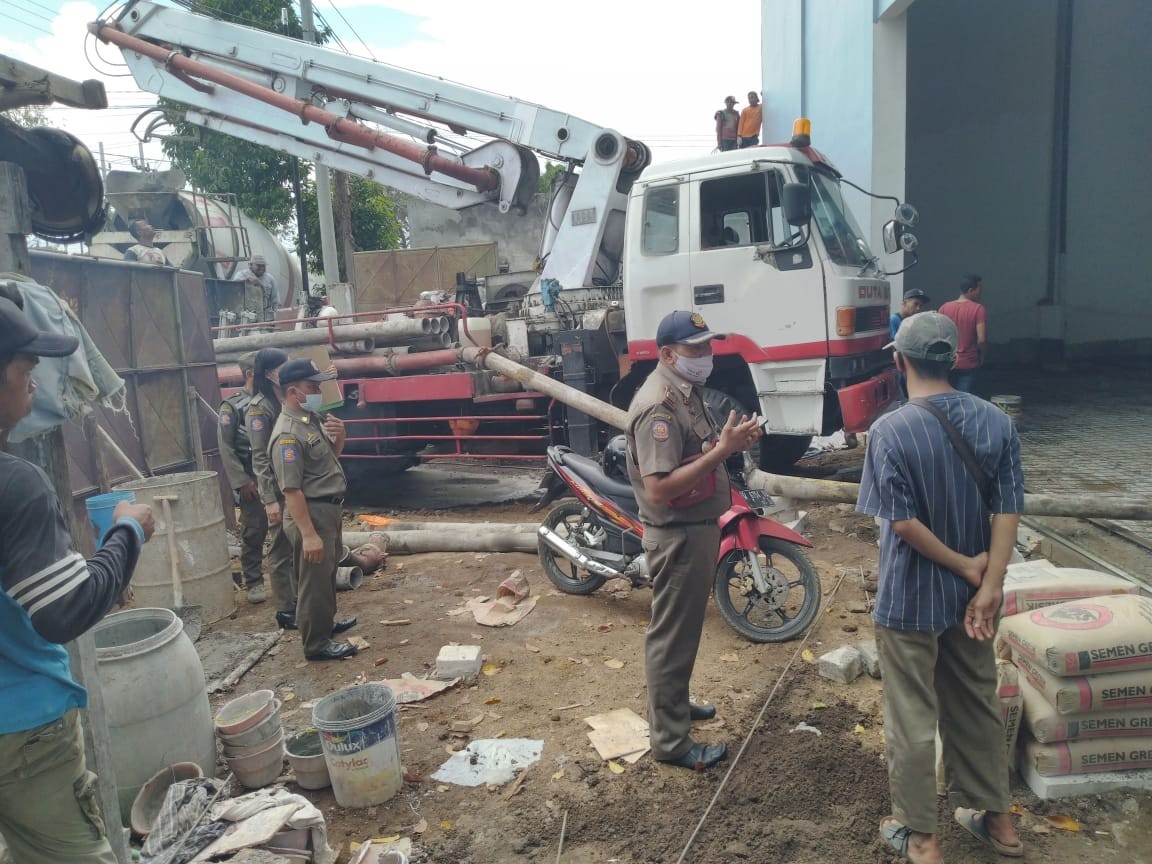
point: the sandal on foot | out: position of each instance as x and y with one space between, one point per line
972 821
898 837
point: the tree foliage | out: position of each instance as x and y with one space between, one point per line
375 224
260 177
551 169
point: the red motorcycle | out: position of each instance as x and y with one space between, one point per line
765 586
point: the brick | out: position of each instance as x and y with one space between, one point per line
870 656
844 665
458 661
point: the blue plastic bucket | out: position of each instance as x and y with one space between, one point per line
100 510
357 727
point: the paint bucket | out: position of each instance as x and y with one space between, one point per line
1013 406
306 756
357 728
100 510
349 578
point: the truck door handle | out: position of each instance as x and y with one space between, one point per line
705 294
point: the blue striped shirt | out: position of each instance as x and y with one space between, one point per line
912 471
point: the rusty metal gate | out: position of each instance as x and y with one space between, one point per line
151 324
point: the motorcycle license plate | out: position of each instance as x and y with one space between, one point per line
758 499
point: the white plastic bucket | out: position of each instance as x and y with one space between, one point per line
357 727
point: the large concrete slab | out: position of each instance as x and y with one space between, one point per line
1080 785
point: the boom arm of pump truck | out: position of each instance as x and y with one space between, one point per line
351 114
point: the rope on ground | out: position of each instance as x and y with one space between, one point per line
759 719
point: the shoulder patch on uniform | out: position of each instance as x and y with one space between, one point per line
660 430
225 417
288 451
257 423
660 415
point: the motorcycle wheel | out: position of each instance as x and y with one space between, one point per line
566 520
791 604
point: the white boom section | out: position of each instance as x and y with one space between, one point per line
583 246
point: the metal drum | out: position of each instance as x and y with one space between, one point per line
205 568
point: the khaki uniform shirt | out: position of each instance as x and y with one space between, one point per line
235 448
260 418
667 425
303 458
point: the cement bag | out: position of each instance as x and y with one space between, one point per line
1112 691
1008 691
1048 725
1035 584
1100 634
1088 757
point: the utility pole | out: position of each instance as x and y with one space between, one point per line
301 240
344 226
323 180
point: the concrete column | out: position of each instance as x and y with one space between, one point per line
889 131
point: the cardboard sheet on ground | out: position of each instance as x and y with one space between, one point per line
490 761
619 734
512 603
253 831
409 688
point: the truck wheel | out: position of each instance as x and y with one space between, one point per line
793 597
567 520
778 453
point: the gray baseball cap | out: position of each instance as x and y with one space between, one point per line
926 336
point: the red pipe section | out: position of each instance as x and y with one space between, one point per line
338 128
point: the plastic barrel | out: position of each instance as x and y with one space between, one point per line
155 700
357 727
100 510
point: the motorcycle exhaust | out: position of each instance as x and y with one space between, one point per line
559 544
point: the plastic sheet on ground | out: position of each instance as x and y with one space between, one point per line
490 761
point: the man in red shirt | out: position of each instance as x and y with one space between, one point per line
967 313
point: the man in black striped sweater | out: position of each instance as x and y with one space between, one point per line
48 802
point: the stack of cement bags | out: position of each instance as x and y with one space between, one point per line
1082 642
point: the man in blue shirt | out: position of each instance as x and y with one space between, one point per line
48 805
943 554
914 302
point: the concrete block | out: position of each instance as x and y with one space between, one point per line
458 661
870 657
1080 785
844 665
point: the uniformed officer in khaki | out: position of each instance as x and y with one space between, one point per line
676 465
305 452
260 420
236 453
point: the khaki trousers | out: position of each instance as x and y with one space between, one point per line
49 809
253 530
316 583
682 561
947 679
281 571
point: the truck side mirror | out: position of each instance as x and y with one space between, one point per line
897 238
796 199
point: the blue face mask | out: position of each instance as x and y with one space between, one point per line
313 401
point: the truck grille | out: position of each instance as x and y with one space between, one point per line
871 318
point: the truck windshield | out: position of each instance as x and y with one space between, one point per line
842 237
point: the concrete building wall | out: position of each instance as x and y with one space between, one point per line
517 238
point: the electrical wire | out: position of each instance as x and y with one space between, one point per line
30 25
756 723
353 29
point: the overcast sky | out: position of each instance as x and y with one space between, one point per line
649 71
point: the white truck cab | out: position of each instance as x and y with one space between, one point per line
760 242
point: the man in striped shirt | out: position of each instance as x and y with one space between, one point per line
48 806
943 554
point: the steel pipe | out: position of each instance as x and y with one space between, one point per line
367 366
379 332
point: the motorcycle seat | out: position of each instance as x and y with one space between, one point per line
590 472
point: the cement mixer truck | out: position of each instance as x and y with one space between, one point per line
759 241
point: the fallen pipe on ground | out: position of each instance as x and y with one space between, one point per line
400 525
494 539
1079 504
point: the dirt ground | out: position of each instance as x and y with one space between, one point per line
791 796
